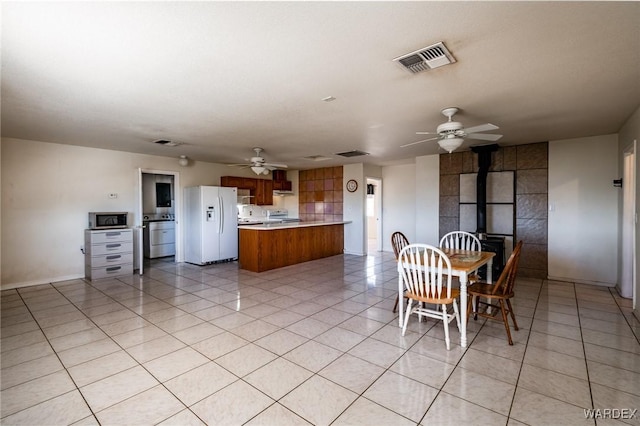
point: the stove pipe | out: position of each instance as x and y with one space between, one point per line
484 162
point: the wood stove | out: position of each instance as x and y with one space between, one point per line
488 243
496 245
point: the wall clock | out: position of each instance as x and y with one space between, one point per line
352 185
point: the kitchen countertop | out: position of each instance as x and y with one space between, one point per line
285 225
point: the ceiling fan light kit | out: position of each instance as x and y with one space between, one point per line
450 144
259 170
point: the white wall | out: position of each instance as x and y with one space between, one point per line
428 199
398 202
583 204
354 209
47 191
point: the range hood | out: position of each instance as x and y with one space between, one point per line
282 192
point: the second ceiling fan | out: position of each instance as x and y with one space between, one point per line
259 165
451 134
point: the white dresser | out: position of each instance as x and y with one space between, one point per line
108 253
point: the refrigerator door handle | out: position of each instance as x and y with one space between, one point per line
220 214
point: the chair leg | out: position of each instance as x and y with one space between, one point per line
513 316
506 321
406 316
395 306
471 307
445 320
457 313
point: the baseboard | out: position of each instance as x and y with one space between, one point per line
40 282
573 280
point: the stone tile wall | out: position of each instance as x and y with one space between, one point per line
531 165
320 194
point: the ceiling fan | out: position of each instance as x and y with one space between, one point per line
259 165
451 134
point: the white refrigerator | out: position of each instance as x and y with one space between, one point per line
211 224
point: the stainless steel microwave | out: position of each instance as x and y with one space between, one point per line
107 220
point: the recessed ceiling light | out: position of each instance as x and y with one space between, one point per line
329 99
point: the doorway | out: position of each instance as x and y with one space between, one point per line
158 224
373 215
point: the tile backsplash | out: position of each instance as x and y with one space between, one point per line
320 194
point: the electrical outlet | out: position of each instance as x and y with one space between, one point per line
113 195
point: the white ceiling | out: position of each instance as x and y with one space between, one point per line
224 77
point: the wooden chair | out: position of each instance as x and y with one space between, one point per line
460 240
398 242
464 241
426 273
498 296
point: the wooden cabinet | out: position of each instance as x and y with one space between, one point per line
264 192
238 182
280 182
232 181
270 248
282 185
260 189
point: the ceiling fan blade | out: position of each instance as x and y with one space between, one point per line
483 136
274 165
425 133
242 165
481 128
417 142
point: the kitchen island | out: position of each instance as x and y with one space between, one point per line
274 245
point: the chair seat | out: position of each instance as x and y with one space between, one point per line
485 290
455 293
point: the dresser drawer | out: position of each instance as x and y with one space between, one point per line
108 271
110 259
108 248
108 236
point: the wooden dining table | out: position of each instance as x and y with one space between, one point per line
463 263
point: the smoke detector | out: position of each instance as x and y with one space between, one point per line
427 58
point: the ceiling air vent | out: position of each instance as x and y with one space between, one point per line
354 153
317 158
427 58
164 142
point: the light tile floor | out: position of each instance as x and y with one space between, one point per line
315 343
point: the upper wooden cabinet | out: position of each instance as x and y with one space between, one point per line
260 189
282 185
239 182
279 175
232 181
280 182
264 192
